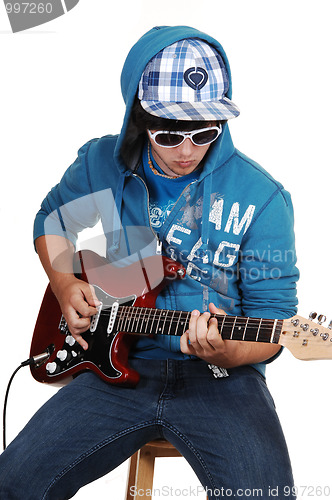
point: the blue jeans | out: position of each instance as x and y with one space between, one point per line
226 428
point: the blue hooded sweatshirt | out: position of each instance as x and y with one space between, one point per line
231 228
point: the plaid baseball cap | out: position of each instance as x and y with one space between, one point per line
187 81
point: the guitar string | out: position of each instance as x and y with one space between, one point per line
149 310
264 327
136 313
236 324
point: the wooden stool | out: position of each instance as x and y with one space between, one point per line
141 469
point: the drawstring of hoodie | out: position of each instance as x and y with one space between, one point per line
117 226
207 189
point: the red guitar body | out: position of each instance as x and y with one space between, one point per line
135 285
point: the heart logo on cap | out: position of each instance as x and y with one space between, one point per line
196 78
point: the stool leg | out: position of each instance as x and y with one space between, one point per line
145 469
141 470
131 480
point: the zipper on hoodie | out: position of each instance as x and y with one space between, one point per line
159 242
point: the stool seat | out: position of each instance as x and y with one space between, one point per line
165 448
141 468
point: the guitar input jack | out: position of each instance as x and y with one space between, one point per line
37 360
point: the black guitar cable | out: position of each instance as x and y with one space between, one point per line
34 360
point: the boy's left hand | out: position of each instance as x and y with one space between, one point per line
203 339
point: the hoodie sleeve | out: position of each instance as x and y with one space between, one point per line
268 273
70 206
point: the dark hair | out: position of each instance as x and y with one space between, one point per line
145 121
140 121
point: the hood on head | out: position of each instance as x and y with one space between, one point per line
140 54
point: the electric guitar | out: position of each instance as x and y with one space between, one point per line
127 310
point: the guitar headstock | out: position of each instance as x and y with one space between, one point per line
307 339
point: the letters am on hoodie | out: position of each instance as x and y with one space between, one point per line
231 228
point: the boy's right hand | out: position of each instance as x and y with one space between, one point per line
78 302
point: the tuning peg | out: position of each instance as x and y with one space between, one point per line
330 325
321 319
312 315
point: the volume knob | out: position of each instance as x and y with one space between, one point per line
70 340
62 355
51 367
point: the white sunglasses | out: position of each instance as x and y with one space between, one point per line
200 137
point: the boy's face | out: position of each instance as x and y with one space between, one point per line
180 160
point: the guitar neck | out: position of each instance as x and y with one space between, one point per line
146 321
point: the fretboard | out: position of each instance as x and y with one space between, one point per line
146 321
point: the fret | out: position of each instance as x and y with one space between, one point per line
157 330
245 329
177 324
186 321
143 324
182 323
277 332
131 316
131 319
137 319
239 328
126 320
221 322
152 312
265 330
250 330
151 321
164 317
171 324
273 330
227 327
259 327
119 319
157 325
232 332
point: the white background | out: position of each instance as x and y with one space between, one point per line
60 87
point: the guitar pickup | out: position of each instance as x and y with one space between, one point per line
114 310
95 319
